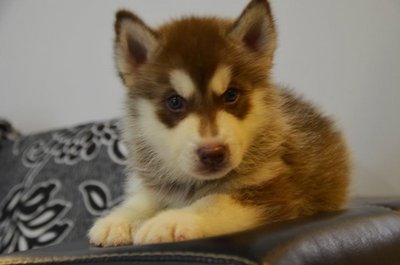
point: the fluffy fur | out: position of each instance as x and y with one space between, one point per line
224 161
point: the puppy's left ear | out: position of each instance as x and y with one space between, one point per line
255 28
134 45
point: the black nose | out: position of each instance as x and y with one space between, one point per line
213 156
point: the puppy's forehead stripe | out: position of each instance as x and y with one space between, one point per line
182 83
220 80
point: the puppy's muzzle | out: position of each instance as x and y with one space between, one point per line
213 157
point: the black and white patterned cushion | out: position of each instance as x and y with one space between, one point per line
53 184
7 132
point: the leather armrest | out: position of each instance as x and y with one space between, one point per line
367 234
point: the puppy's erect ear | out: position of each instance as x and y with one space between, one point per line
255 28
134 44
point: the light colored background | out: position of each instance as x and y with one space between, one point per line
56 67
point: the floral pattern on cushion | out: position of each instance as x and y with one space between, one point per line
53 184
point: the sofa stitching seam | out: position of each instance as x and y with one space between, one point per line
127 255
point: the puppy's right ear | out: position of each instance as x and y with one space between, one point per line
134 44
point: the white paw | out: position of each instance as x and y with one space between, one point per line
170 226
112 230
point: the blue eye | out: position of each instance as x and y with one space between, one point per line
231 95
176 103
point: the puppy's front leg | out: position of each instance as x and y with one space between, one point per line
117 228
209 216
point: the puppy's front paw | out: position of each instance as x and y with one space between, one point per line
170 226
112 230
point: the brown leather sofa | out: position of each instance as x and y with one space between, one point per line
366 233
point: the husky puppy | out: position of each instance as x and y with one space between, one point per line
214 145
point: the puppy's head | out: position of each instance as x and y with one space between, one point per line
198 88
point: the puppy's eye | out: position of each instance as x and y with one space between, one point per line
176 103
231 95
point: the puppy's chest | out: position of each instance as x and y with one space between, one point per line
181 195
176 196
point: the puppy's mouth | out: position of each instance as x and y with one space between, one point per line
211 170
